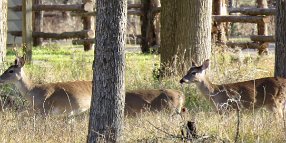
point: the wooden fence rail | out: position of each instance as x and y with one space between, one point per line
63 35
146 12
61 7
253 11
241 19
262 38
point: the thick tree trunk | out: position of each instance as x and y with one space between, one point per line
185 34
3 30
168 29
200 32
175 44
107 107
280 44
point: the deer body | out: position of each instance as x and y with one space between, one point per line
62 97
75 97
267 92
153 100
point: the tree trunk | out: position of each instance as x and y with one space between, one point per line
168 28
174 49
146 28
200 30
107 106
186 27
38 24
156 23
280 44
3 30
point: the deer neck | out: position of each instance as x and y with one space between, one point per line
24 85
206 88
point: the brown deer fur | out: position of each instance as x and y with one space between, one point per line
75 96
265 92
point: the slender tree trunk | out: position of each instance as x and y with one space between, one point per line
200 32
185 34
156 23
38 24
107 107
3 30
280 44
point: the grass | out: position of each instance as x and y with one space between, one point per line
54 63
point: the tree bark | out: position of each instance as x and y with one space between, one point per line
156 23
280 44
168 29
200 32
174 49
107 106
185 34
146 26
3 30
37 24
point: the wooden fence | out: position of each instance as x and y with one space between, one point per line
30 32
32 25
146 10
259 15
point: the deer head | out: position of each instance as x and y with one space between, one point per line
14 72
195 73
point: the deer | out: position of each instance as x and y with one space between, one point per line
71 97
74 97
266 92
141 100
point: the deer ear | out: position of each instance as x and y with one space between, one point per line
20 61
194 64
206 64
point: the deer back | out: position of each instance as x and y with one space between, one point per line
153 100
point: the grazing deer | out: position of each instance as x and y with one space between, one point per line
153 100
55 98
269 92
75 97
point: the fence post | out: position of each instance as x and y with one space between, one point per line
262 29
262 26
145 18
37 24
219 29
27 29
88 24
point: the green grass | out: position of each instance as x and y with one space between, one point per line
55 63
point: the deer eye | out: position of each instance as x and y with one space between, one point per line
11 71
193 73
